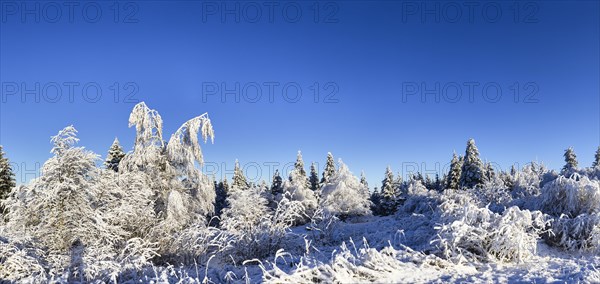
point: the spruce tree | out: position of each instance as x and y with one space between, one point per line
596 158
300 172
114 157
365 184
221 191
472 173
314 178
7 178
453 177
277 184
389 201
570 160
376 202
239 180
329 170
490 174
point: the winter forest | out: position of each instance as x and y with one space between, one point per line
152 216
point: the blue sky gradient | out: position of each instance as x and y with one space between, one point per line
370 50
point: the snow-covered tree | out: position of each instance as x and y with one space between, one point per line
7 177
296 189
570 161
365 185
221 191
375 202
114 157
182 193
596 158
489 173
453 178
329 169
472 172
239 179
314 178
60 207
389 196
344 195
300 172
277 184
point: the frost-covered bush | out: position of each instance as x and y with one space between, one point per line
419 199
344 196
579 233
21 262
256 231
492 194
527 181
322 226
296 189
358 265
472 233
571 196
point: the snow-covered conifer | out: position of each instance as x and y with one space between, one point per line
596 158
389 196
329 169
570 161
7 177
239 179
453 179
277 184
314 178
472 173
114 157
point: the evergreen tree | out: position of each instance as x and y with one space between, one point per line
389 198
570 160
490 174
365 185
300 172
329 170
221 191
472 173
7 178
596 158
277 185
437 183
314 178
376 202
453 177
114 157
239 180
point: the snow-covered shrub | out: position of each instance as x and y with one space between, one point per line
256 230
296 189
492 194
527 181
358 265
472 233
572 196
322 226
21 262
579 233
344 195
419 199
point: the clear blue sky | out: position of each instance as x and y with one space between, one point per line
373 52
